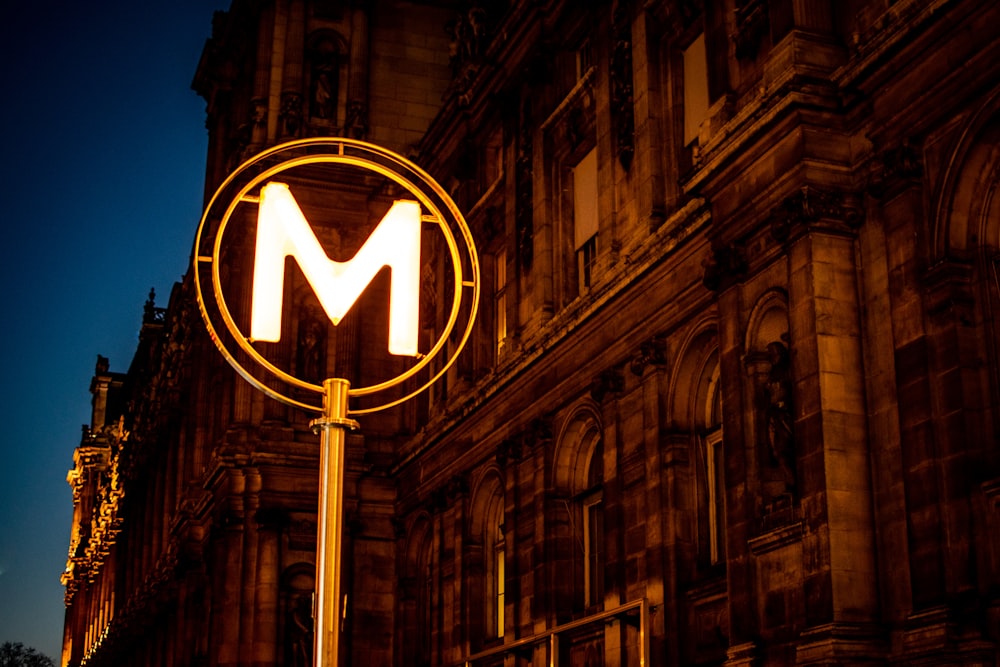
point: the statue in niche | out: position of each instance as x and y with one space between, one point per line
300 631
324 81
469 34
312 347
779 415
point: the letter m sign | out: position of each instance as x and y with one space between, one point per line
282 231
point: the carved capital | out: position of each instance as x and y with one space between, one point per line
652 353
812 207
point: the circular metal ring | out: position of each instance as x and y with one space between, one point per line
338 151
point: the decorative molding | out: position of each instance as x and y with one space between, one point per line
810 207
776 539
651 354
741 655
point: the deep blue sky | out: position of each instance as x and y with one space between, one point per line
100 194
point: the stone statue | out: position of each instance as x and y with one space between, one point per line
778 413
300 631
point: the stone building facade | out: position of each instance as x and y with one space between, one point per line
732 397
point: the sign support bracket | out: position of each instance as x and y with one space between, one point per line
329 607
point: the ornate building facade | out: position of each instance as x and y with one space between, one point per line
734 389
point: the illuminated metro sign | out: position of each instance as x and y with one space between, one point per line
283 231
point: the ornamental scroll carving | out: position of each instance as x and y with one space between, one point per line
809 206
651 354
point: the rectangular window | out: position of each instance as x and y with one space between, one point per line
500 298
695 89
585 258
585 217
716 489
501 588
593 548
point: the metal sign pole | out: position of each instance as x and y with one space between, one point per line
327 604
435 206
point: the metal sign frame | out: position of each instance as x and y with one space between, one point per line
441 211
329 607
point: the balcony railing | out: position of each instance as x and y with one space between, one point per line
635 614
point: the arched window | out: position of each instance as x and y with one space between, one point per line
592 512
417 597
579 479
711 458
697 410
494 562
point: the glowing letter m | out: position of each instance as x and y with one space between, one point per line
282 231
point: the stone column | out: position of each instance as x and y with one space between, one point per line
356 115
830 427
725 270
291 114
662 512
270 522
259 107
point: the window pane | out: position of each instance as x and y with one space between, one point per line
585 199
500 275
695 88
501 586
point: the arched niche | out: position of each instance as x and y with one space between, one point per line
576 444
694 394
768 361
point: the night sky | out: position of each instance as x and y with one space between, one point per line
101 183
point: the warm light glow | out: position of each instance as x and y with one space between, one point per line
283 231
